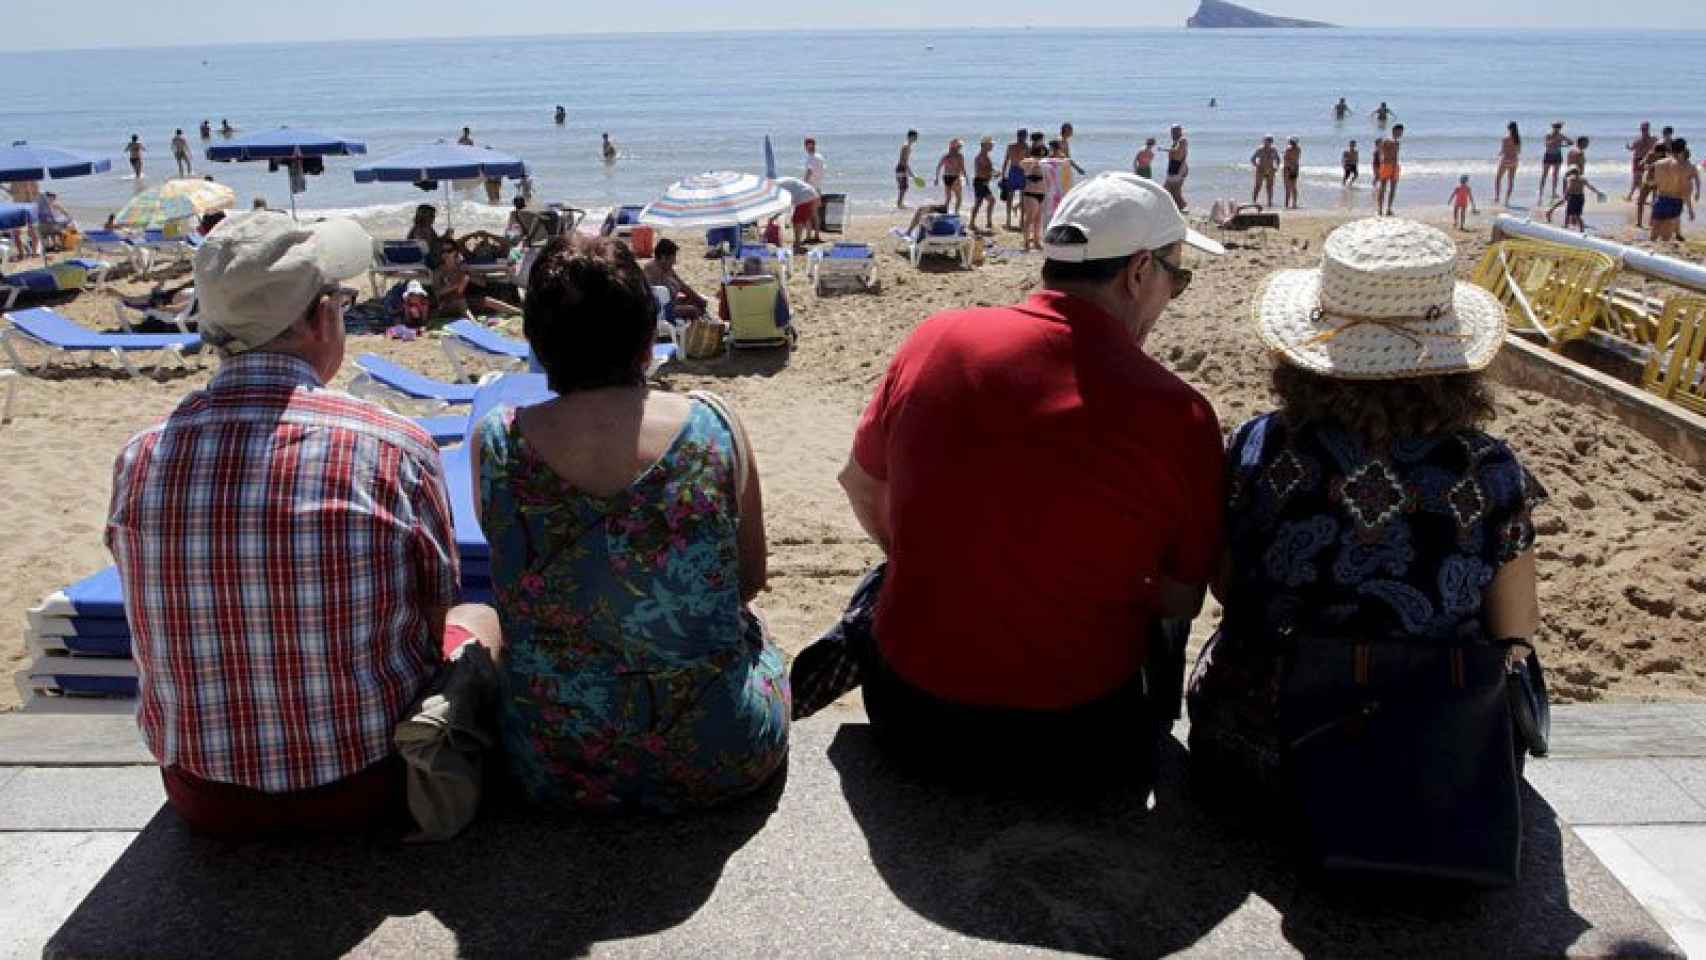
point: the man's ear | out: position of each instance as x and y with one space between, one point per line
321 318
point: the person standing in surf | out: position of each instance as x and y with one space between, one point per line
1510 154
1178 166
1552 161
903 169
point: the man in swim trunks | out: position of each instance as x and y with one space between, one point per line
1672 180
983 171
1386 191
1144 163
1382 114
1552 160
1341 110
1575 199
206 130
467 138
1266 159
1178 165
1012 176
903 169
1639 150
950 170
1353 164
1291 168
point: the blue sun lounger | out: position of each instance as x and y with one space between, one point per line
62 276
391 384
445 429
47 329
469 342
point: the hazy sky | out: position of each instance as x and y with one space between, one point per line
45 24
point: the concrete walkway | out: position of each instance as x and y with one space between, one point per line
847 858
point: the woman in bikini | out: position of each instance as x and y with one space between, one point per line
1036 180
1510 151
950 170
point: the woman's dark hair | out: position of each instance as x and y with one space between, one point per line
665 248
589 316
1382 411
424 212
1039 151
1516 137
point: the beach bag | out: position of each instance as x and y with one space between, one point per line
443 741
837 662
1392 758
703 338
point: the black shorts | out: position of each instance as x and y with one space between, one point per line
949 179
980 188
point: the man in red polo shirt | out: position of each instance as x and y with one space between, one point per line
1045 493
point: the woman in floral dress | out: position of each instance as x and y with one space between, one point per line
627 538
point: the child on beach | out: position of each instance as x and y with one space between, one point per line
1462 202
1353 164
1144 164
1575 200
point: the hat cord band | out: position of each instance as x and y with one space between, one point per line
1401 326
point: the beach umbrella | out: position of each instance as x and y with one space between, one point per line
441 162
718 199
174 200
16 216
21 161
298 151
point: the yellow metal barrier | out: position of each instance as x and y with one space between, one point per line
1548 287
1677 368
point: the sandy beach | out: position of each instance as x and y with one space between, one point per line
1623 582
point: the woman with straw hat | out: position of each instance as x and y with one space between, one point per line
1372 505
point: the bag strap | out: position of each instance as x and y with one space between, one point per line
743 454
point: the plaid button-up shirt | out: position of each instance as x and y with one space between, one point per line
282 546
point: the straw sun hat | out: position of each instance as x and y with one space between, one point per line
1385 304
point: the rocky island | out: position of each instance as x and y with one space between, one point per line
1218 14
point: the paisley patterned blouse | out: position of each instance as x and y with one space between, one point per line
634 675
1331 539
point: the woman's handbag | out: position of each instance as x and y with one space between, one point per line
1392 757
1402 759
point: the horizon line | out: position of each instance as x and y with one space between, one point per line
1010 28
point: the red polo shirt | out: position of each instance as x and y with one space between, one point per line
1042 473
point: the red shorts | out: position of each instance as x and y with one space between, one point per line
805 213
373 797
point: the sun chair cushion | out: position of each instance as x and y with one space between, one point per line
470 539
946 225
402 253
51 328
850 251
99 595
404 380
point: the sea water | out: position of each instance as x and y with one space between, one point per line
678 104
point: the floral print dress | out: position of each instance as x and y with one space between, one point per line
634 677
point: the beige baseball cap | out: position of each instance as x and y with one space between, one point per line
1120 214
257 273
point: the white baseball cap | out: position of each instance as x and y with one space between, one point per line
257 274
1120 214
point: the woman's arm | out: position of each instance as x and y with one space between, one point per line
1512 602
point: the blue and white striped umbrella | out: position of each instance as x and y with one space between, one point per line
717 200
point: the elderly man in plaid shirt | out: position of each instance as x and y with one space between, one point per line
287 552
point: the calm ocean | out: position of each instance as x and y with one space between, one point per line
683 103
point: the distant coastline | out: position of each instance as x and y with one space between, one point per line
1218 14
